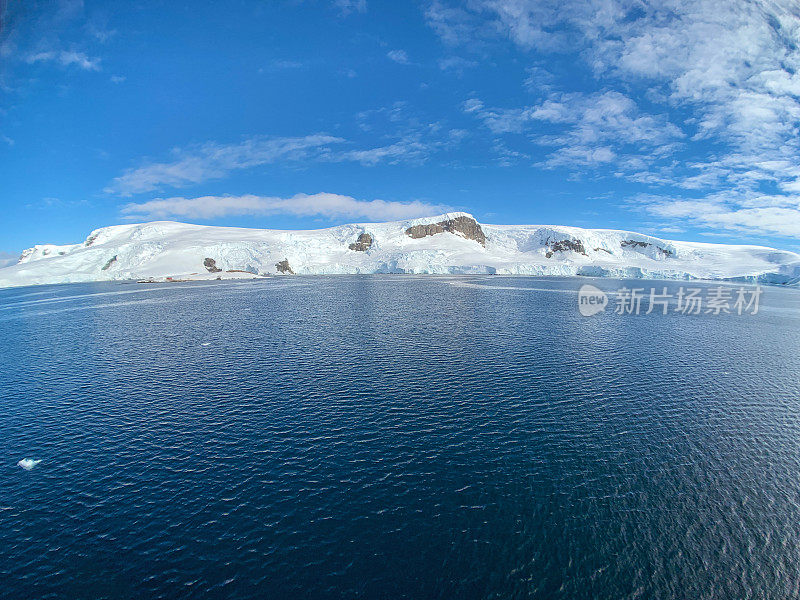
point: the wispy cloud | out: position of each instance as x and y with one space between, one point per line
410 149
454 24
284 64
65 59
49 203
301 205
594 129
349 6
729 69
36 32
412 139
398 56
98 28
732 211
404 138
591 118
214 161
456 63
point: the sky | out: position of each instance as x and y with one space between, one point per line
674 118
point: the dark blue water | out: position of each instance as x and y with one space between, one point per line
394 437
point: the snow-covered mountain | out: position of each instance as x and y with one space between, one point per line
448 244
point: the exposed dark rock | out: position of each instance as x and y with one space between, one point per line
465 226
211 265
90 240
634 243
283 266
362 244
603 250
564 245
639 244
110 262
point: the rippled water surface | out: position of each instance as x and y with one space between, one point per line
394 437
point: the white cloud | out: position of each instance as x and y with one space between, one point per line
65 59
539 79
733 62
409 149
284 64
100 31
505 156
580 156
37 32
729 70
454 24
456 63
301 205
398 56
593 129
214 161
472 105
734 211
348 6
591 118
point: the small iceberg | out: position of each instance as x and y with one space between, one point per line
28 463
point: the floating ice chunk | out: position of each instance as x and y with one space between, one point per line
28 463
206 344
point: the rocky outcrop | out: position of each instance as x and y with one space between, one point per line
640 244
563 246
466 227
164 249
211 265
362 244
110 262
634 244
283 266
90 240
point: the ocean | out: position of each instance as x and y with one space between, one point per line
396 437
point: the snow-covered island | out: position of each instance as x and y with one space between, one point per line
452 243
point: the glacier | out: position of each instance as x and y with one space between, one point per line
452 243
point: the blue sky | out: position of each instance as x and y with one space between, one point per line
674 118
